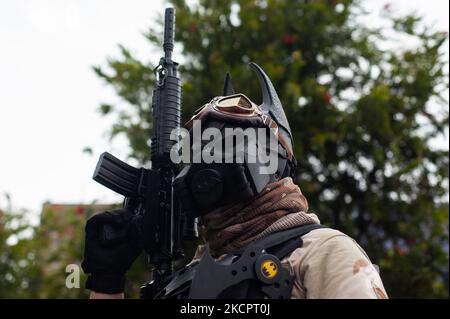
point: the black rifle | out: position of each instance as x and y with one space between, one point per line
149 192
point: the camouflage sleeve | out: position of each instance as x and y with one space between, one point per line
332 265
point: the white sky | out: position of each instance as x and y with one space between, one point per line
49 94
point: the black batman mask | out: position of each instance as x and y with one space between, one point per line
202 187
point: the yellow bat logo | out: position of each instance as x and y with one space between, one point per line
269 269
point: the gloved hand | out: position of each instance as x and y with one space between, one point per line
112 245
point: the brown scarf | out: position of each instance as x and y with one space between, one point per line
280 206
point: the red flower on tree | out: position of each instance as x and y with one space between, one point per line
288 39
193 27
327 97
399 250
79 210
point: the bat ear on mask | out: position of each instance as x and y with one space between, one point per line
228 86
271 104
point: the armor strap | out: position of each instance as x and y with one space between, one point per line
283 243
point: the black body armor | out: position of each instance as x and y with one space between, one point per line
254 272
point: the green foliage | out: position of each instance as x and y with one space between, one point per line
33 259
60 239
18 270
133 81
363 112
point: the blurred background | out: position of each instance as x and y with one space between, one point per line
364 84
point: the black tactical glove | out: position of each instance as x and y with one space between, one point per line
112 245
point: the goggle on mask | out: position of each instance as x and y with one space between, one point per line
239 174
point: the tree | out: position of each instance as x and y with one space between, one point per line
60 242
18 269
363 113
34 260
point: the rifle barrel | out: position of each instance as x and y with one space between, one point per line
169 32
